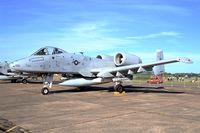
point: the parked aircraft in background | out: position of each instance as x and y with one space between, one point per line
7 74
83 70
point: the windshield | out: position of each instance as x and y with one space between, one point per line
49 51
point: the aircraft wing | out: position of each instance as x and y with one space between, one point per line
131 69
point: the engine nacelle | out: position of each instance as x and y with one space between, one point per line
105 57
122 59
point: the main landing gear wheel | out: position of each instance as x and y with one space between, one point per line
24 81
45 91
119 88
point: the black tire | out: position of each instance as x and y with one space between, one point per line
119 88
24 81
45 91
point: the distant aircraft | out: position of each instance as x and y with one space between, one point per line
82 70
7 74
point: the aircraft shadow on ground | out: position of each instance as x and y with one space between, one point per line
150 90
35 82
84 89
129 89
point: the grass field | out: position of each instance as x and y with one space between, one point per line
185 83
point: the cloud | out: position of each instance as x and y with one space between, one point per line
89 29
93 36
163 8
157 35
149 6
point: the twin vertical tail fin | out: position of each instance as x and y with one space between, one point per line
158 70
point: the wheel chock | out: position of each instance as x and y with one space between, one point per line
119 94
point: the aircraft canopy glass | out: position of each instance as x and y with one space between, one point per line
49 51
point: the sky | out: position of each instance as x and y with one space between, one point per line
97 27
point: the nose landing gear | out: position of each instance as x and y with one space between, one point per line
45 91
47 80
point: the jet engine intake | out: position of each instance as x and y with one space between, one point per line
122 59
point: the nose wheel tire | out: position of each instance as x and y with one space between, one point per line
119 88
45 91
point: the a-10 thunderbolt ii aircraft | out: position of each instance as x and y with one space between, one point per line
83 70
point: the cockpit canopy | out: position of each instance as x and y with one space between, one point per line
49 51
